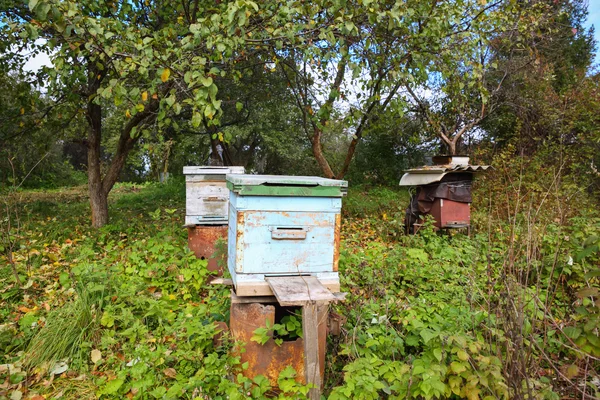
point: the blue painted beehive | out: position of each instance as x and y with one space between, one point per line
283 225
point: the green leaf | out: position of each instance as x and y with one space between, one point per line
174 392
457 367
428 334
107 320
206 81
592 274
113 386
32 4
591 291
209 111
177 108
196 119
170 100
437 352
64 279
586 252
462 355
239 106
572 332
27 320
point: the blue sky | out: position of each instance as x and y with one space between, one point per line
594 19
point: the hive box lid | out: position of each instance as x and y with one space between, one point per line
282 185
434 173
209 170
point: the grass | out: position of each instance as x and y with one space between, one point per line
69 333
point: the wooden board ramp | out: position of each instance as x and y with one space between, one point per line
299 290
314 298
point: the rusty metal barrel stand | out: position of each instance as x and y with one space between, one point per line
207 209
283 251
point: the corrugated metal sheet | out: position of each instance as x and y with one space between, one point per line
434 173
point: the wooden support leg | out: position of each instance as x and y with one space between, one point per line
312 313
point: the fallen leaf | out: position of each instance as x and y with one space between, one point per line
572 371
59 368
170 372
96 356
165 75
16 395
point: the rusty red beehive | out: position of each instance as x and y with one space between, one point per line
202 241
443 190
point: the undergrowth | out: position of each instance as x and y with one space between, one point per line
125 311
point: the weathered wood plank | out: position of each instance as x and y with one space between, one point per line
256 285
299 290
235 299
222 281
312 313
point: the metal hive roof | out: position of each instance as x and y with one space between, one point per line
212 170
434 173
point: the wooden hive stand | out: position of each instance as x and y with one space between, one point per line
289 291
314 298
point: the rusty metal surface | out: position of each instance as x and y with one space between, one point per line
336 241
269 359
451 214
202 240
335 322
221 330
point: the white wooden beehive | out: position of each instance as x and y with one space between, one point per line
206 194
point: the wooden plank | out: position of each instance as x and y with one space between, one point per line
299 290
235 299
262 288
222 281
312 313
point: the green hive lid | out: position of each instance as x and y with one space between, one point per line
282 185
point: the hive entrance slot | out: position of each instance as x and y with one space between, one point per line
291 184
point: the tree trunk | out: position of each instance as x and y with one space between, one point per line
99 206
452 147
318 153
98 197
349 157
